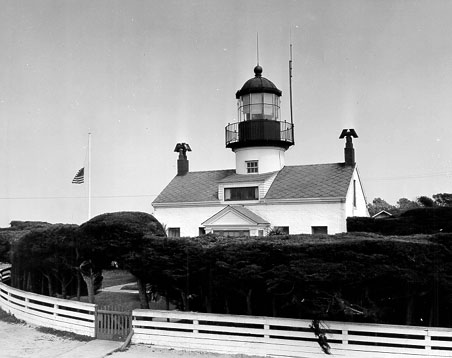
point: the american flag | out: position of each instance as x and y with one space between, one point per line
79 177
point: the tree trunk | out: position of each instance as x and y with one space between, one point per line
29 286
89 280
63 289
249 308
86 269
49 284
79 287
209 296
409 310
184 301
226 305
144 300
274 309
167 301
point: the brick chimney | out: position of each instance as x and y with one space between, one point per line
349 151
182 161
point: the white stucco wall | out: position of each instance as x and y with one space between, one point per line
188 218
361 204
270 158
299 217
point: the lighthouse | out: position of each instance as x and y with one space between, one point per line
260 138
261 193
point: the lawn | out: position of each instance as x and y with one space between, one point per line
117 277
127 301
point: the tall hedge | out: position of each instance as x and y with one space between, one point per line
400 280
416 221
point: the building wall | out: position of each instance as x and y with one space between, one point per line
361 204
188 219
270 158
299 217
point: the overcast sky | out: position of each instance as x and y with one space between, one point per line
144 75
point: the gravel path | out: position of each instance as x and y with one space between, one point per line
24 341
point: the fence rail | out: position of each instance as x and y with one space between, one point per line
285 337
266 336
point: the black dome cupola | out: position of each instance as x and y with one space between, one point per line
258 84
259 116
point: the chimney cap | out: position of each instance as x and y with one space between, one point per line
182 146
348 133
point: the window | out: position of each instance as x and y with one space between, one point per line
174 232
245 193
354 193
202 231
318 230
281 230
252 166
232 233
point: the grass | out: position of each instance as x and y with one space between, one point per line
130 287
128 301
116 277
64 334
9 318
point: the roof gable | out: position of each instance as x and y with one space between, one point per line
235 215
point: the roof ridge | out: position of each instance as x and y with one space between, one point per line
307 165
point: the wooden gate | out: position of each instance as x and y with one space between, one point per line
113 323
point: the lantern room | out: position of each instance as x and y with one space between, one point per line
259 116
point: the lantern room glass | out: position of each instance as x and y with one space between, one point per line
258 106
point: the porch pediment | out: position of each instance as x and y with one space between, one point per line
235 215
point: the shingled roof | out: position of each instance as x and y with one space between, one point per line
292 182
312 181
193 187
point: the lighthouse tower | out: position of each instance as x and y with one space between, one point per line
260 138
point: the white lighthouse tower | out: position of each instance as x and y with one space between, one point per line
260 138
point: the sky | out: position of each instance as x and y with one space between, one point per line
141 76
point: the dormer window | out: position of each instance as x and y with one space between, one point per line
252 166
241 193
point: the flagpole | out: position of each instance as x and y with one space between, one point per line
89 175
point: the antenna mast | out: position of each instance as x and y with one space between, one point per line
290 90
257 48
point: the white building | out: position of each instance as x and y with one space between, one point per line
262 193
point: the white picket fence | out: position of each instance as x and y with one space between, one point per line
65 315
277 337
264 336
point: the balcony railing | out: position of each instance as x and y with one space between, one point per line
259 132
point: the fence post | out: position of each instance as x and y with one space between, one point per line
345 336
96 323
428 341
266 331
195 326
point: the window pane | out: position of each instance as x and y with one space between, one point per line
256 98
317 230
174 232
252 166
246 193
269 98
